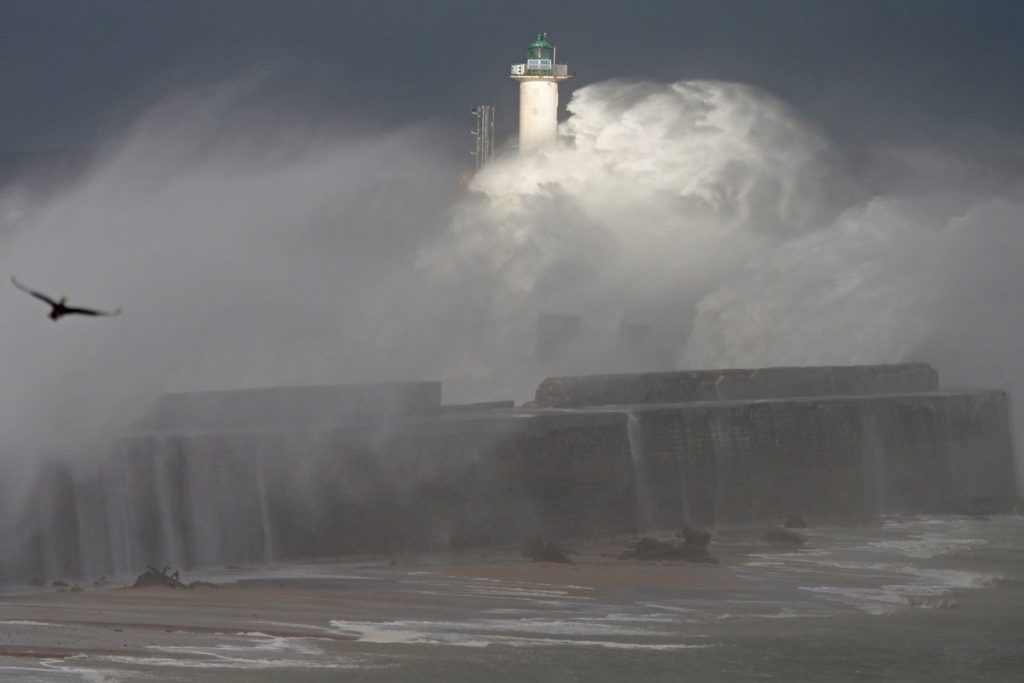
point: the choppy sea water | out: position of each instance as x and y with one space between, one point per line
910 599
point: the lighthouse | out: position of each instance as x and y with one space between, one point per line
538 94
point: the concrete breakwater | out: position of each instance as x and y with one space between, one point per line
686 386
221 477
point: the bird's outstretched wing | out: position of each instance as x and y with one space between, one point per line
38 295
69 310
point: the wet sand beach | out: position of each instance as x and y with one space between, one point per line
910 599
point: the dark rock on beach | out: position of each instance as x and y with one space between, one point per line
157 577
540 550
695 537
693 549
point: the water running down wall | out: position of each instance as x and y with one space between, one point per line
414 477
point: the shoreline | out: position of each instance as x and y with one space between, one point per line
848 587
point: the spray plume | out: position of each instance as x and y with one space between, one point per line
710 209
274 253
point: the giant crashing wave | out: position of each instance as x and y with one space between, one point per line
715 210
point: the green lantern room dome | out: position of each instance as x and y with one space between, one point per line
540 48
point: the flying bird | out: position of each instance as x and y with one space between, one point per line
60 308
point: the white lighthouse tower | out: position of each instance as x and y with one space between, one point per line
538 94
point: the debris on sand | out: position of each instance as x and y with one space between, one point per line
157 577
694 548
165 577
540 550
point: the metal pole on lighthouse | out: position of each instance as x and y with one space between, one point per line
538 94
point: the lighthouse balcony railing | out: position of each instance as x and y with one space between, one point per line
531 70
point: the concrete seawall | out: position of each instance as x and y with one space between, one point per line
393 471
724 385
587 471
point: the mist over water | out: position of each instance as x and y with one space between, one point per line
250 247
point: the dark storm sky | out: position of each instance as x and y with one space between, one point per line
922 71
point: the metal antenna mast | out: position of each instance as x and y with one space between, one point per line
483 133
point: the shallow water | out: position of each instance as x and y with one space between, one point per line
924 598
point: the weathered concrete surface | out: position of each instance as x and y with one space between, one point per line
741 462
210 499
718 385
274 407
605 470
395 475
497 476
